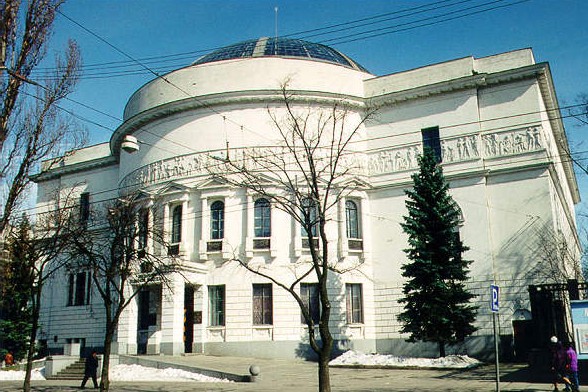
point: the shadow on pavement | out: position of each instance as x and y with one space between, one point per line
508 373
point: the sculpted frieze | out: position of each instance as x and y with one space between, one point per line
393 160
167 169
512 142
460 148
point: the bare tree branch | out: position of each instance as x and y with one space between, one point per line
306 175
108 245
32 129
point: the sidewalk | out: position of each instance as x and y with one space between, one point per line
300 376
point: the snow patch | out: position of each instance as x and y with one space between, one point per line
125 373
36 374
142 373
354 358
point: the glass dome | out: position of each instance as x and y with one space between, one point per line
280 47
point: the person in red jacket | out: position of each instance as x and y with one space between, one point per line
8 359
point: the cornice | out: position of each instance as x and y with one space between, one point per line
555 119
58 171
477 173
467 82
476 80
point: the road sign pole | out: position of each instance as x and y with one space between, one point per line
496 352
494 306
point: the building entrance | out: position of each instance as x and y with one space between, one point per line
188 318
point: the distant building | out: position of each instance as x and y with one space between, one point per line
495 122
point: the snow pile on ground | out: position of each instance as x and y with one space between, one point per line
353 358
36 374
141 373
125 373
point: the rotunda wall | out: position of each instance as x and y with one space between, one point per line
242 75
182 146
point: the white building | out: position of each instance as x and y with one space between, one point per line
495 119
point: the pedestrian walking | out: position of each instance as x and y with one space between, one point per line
572 367
558 364
90 369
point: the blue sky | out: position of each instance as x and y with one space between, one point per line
167 34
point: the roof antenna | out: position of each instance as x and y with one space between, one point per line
276 35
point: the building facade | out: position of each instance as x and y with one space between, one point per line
494 121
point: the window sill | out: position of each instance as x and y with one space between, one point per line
216 334
355 331
262 332
214 246
207 248
260 246
355 245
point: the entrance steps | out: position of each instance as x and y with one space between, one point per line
75 371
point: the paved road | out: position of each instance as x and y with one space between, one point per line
300 376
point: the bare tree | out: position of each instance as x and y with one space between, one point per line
124 246
306 175
557 256
32 128
39 251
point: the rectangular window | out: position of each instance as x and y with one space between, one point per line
143 223
432 141
85 206
310 295
147 314
262 304
216 301
309 217
79 289
354 302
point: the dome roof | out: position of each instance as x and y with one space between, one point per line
280 47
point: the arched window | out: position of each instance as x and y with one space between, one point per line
310 212
217 220
352 219
262 218
176 235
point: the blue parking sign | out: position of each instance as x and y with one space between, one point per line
494 291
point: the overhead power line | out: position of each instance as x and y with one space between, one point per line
400 27
179 59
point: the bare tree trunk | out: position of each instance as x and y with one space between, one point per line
442 349
323 371
325 357
26 387
104 380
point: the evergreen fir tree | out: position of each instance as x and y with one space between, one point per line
17 275
436 301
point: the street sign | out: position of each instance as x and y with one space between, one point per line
494 290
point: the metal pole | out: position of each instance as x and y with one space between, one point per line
496 352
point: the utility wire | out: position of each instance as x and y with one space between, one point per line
418 9
395 29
